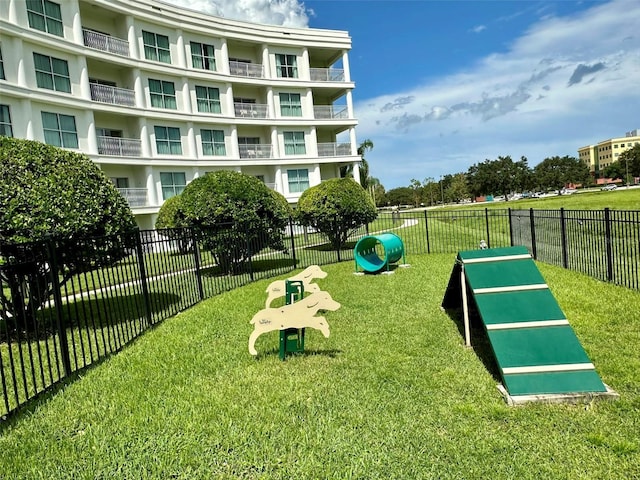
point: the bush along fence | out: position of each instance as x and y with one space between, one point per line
67 305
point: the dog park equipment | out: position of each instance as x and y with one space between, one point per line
536 350
292 339
366 250
276 289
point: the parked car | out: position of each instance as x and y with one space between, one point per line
611 186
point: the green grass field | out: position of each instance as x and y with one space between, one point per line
392 393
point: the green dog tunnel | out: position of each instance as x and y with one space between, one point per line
374 253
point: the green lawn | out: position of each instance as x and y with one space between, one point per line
392 393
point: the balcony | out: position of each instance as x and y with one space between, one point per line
250 110
112 95
258 150
119 147
105 43
330 112
326 74
243 69
334 149
135 197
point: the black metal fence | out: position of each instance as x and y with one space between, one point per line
66 306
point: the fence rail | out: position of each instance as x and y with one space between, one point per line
65 306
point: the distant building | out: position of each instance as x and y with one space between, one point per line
600 156
158 95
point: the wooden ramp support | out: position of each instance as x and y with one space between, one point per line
538 354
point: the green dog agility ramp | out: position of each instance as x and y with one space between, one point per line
538 354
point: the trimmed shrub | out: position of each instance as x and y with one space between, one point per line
336 208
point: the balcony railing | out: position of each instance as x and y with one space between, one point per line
135 197
106 43
334 149
113 95
330 111
250 110
119 147
327 74
243 69
258 150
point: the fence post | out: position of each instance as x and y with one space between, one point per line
486 219
534 250
198 264
293 244
57 298
607 227
426 228
143 277
510 227
563 238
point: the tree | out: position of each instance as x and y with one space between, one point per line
417 189
498 177
170 220
376 190
458 189
399 196
335 208
235 216
53 196
557 172
629 162
365 178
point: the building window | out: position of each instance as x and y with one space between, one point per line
156 47
298 180
294 143
59 130
168 140
2 77
52 73
45 16
203 56
5 121
290 105
163 94
208 99
286 66
173 184
120 182
213 142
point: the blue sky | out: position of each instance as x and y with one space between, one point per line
441 85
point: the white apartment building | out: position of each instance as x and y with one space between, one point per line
158 95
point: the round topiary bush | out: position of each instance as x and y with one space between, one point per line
335 208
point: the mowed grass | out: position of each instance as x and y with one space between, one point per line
392 393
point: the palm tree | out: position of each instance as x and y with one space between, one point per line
347 170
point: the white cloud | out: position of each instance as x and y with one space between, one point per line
565 83
478 28
287 13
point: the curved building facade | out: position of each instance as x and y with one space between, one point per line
158 95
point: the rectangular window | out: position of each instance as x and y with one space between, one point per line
294 143
286 66
156 47
162 94
203 56
2 77
213 142
52 73
173 184
168 140
298 180
120 182
45 16
290 105
60 130
208 99
5 121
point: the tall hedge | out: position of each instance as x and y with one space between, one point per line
336 207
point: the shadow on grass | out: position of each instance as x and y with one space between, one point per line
256 266
308 352
327 247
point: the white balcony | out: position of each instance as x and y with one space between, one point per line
119 147
106 43
334 149
330 112
250 110
112 95
258 150
326 74
135 197
243 69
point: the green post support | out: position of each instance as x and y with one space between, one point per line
292 339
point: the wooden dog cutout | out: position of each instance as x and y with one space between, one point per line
277 289
300 314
